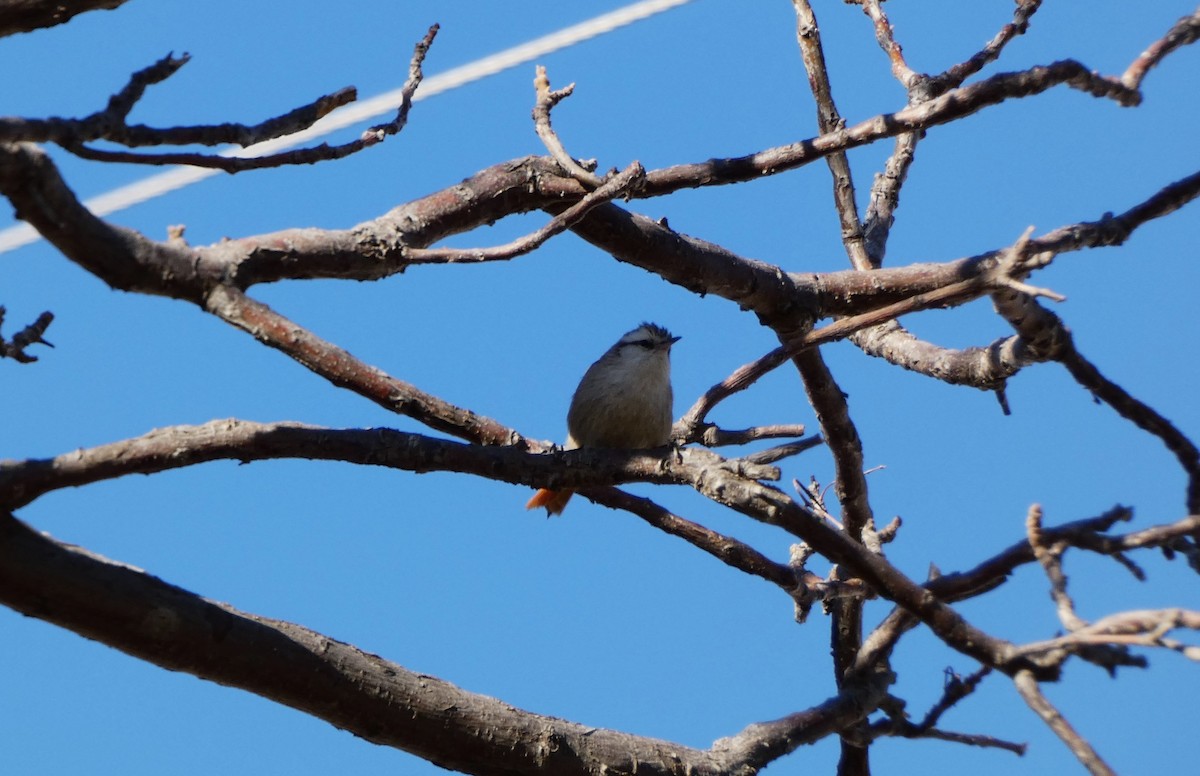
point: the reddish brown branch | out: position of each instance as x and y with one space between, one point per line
618 185
1183 32
376 249
846 625
733 483
841 436
884 36
121 257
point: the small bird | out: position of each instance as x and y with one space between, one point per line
624 400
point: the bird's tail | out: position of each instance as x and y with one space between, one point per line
555 501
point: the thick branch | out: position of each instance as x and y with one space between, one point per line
955 75
28 15
618 185
121 257
377 700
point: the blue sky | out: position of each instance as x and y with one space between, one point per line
596 617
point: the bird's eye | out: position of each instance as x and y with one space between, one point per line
647 344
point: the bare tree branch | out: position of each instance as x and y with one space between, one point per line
956 75
724 548
28 15
110 125
178 446
386 703
1142 628
956 689
1183 32
951 106
30 335
344 370
830 120
546 100
1086 534
729 482
112 121
1143 416
1050 557
377 700
618 185
1028 687
984 368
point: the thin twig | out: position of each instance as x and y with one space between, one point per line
884 36
1184 31
33 334
115 129
779 452
344 370
728 550
956 689
829 120
951 106
711 435
1141 415
1140 628
748 374
954 76
1028 687
546 100
1049 555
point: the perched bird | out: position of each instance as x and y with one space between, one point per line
624 400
